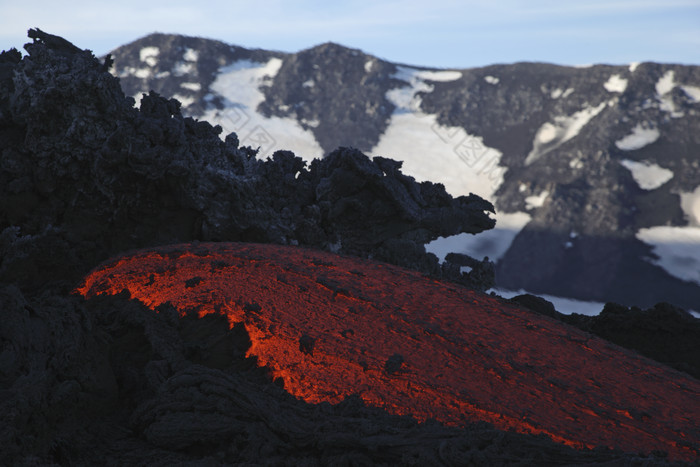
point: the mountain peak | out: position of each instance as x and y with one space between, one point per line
332 49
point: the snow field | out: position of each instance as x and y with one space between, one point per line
239 85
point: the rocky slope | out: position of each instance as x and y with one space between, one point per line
84 175
593 170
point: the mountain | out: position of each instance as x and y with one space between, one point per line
594 171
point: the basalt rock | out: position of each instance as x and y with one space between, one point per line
664 332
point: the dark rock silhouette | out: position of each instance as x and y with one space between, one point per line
119 177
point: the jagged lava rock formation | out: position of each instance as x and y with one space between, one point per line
593 170
120 178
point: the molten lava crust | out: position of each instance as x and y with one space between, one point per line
331 326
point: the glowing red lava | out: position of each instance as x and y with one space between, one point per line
332 326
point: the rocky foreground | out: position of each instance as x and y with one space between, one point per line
85 176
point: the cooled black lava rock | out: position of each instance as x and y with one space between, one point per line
663 332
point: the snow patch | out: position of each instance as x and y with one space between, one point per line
493 243
570 243
311 123
552 135
491 79
663 89
149 55
182 68
634 66
640 137
690 204
536 201
368 65
576 164
557 93
405 97
563 305
437 153
666 83
677 250
239 85
546 133
616 83
190 55
240 82
191 86
141 73
434 152
693 93
647 175
308 83
442 76
137 100
186 101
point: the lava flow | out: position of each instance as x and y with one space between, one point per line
332 326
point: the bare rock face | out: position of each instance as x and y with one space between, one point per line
312 76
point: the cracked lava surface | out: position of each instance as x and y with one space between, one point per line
331 326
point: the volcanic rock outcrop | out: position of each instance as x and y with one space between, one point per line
85 176
82 167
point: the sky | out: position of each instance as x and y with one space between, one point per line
432 33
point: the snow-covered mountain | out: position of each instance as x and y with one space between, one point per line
594 171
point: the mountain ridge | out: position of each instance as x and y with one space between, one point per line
558 150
